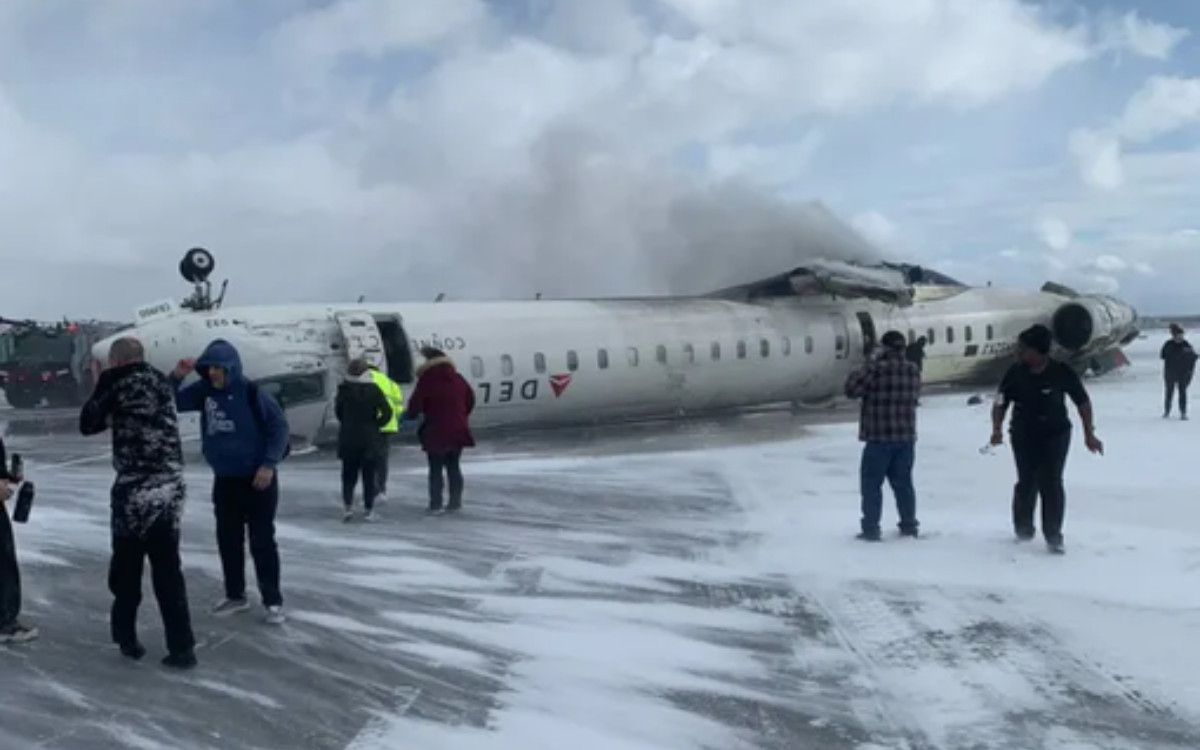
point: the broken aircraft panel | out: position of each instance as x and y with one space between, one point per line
890 283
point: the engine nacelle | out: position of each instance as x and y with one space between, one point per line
1091 323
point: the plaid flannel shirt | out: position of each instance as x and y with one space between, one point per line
889 388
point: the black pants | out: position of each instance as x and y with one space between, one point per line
1173 382
353 467
161 545
240 509
10 573
448 463
1040 462
381 471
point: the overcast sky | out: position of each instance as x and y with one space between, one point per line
486 148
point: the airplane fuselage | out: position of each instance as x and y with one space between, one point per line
577 361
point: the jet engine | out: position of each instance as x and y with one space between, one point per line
1090 324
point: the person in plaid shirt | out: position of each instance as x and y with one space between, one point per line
889 387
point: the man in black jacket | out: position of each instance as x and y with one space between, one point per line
12 630
1179 364
1037 387
361 409
138 403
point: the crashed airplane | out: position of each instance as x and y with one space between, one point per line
789 339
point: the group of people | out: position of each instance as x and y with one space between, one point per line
244 436
370 406
1035 387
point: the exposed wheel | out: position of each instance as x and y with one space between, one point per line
197 265
22 398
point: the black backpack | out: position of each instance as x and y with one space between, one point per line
260 419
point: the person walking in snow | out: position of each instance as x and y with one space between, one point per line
244 437
889 387
1036 386
138 403
445 400
362 411
1179 364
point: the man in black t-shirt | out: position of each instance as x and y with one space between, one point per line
1036 387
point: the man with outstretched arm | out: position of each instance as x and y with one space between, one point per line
244 436
1036 387
138 403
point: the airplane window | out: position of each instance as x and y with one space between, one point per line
572 361
689 352
787 346
602 359
716 351
661 353
476 367
840 343
506 365
968 334
764 348
990 333
633 356
930 338
741 350
808 344
949 335
539 362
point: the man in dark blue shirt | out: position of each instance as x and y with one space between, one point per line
244 434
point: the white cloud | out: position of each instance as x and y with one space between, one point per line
875 227
1098 156
391 148
1054 233
1141 36
1110 264
1163 105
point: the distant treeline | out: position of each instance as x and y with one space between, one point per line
1162 321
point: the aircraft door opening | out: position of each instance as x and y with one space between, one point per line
841 336
362 337
396 347
867 324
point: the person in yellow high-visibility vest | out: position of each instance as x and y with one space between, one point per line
395 396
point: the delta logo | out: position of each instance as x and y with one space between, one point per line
559 384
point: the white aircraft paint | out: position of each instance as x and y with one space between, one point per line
551 362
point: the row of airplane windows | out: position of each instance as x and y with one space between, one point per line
689 352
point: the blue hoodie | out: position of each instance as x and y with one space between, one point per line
232 442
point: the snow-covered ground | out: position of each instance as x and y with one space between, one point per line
707 597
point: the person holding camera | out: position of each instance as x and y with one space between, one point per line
12 630
138 403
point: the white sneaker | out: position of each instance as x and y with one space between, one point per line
275 615
370 517
347 515
230 607
381 498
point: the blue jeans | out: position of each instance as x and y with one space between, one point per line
894 462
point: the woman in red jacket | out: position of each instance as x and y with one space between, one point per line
445 399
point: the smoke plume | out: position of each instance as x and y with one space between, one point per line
585 219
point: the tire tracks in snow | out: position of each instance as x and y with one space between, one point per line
941 670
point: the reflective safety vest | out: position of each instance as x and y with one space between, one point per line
395 397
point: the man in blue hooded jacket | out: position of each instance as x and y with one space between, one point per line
244 434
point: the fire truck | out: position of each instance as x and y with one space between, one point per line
49 363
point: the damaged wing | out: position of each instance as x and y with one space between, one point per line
884 283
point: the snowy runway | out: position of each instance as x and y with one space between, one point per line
709 597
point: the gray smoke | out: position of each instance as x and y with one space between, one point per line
586 220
